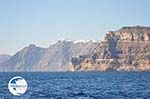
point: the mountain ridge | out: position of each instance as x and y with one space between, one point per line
126 49
54 58
4 57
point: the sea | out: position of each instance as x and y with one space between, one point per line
80 85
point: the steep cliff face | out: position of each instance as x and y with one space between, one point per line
127 49
55 58
24 60
4 57
58 56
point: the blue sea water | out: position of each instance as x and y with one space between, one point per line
80 85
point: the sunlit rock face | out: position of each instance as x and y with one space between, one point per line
127 49
56 57
24 60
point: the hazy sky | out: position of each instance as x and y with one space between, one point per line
42 22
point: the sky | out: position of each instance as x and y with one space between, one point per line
42 22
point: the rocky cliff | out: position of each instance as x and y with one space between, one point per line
4 57
56 57
127 49
24 60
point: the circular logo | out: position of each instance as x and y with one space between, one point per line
17 85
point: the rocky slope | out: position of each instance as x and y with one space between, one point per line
4 57
55 58
127 49
24 60
58 56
